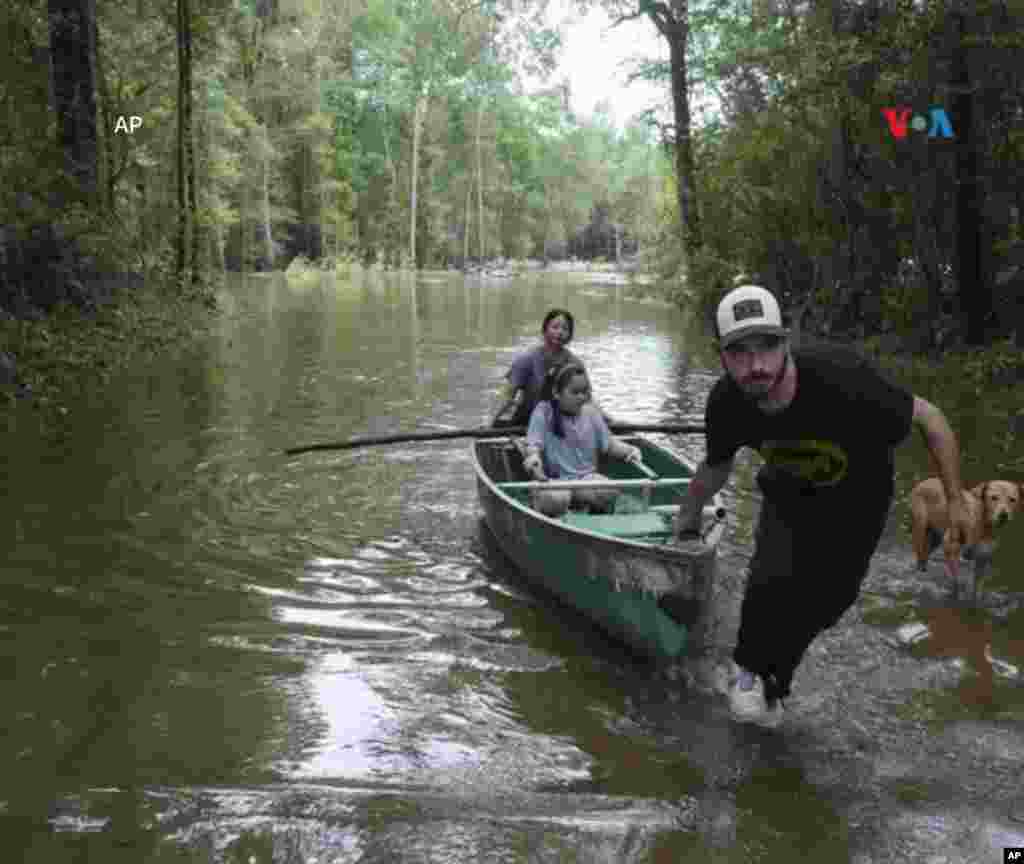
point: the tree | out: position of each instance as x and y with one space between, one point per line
969 217
72 54
185 153
672 19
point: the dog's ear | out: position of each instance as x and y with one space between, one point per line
980 491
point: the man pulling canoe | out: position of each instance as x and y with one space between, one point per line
826 421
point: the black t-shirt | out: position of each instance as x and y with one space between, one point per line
833 443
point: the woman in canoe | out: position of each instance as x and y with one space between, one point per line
566 435
526 377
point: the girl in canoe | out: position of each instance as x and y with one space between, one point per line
526 377
567 433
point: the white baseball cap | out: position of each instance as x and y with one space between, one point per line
749 310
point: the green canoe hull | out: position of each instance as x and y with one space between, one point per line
652 595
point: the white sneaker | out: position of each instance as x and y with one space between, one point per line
747 702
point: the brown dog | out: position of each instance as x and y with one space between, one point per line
989 505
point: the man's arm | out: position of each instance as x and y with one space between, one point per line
942 444
705 483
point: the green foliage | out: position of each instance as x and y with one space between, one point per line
799 178
71 351
1001 364
707 276
306 115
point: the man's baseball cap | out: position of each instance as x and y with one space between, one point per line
749 310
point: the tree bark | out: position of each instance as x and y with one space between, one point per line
673 22
828 270
243 228
686 181
391 232
466 223
72 26
182 235
268 239
419 113
190 148
107 123
315 187
975 290
481 233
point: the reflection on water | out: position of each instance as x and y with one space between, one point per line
214 652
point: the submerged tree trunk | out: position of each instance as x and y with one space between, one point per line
193 209
267 236
548 221
466 223
106 124
183 134
419 114
975 289
243 226
391 230
314 179
218 257
190 147
686 181
481 233
673 22
72 26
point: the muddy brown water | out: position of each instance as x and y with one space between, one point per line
215 653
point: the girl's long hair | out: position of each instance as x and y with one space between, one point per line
554 381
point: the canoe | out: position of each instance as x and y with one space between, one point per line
620 570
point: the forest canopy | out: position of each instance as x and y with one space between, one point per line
404 133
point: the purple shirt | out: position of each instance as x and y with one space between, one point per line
575 455
528 372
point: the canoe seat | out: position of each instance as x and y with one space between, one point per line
625 525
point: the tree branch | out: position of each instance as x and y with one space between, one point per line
632 16
656 10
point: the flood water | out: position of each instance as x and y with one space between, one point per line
212 652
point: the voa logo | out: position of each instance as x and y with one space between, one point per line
937 122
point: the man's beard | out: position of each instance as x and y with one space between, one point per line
761 396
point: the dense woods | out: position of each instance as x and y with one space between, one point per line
804 180
413 133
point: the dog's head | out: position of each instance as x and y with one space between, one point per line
1000 498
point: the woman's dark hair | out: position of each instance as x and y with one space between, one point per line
555 379
553 314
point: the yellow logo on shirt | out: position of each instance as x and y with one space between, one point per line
821 463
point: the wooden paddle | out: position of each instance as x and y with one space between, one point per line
487 432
